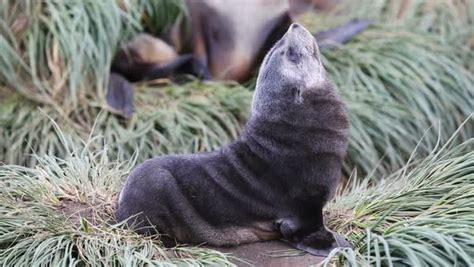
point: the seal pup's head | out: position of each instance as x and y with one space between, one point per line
290 68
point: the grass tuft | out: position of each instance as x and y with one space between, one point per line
171 119
398 85
421 215
61 212
59 53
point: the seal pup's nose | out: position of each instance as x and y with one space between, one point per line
295 25
301 40
297 29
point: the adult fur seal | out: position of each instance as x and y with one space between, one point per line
272 182
223 40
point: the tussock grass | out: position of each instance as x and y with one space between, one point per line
180 119
52 50
169 119
61 213
398 84
421 215
409 72
445 18
59 53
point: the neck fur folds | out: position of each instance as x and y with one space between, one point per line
318 124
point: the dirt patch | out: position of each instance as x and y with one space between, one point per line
265 254
94 213
270 254
4 93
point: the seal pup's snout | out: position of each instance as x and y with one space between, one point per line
292 67
300 42
298 31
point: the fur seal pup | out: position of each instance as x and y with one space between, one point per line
272 182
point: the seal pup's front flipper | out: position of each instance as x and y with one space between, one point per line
321 242
310 236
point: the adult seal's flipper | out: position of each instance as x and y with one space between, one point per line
341 34
136 71
120 96
189 64
124 71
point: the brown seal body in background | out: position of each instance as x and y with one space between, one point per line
222 40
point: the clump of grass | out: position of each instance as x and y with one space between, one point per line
160 16
58 53
451 21
52 50
445 18
397 85
180 119
398 81
421 215
61 212
169 119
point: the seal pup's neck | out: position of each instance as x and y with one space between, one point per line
317 124
296 110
